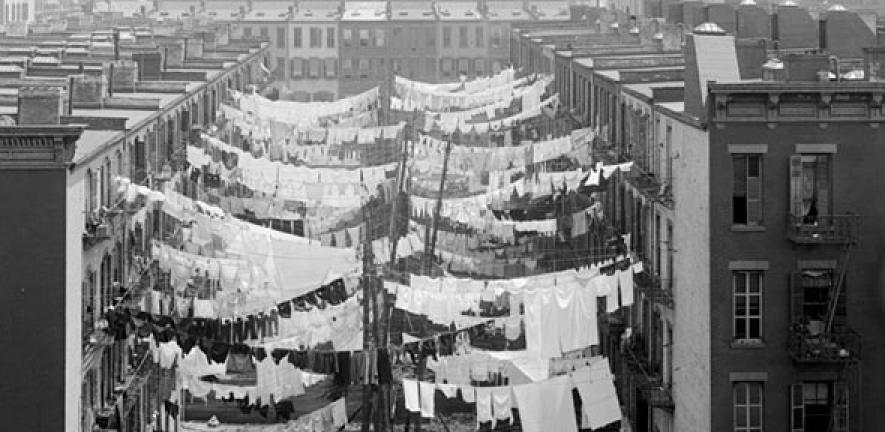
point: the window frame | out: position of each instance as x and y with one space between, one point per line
747 317
281 37
315 42
744 388
759 178
330 37
297 37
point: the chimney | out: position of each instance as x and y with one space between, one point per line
724 15
793 27
40 105
709 56
86 91
844 34
149 65
125 73
752 21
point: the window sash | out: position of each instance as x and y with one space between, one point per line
330 37
747 189
748 406
296 38
316 37
747 305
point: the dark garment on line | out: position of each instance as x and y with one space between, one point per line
259 353
385 374
218 352
342 376
278 354
285 309
171 408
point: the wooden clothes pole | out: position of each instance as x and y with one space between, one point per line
431 246
367 301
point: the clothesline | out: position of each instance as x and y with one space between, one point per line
543 406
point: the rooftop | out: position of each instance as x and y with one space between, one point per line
317 11
91 141
457 11
647 89
412 11
365 11
506 11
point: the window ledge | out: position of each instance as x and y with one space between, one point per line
748 344
747 228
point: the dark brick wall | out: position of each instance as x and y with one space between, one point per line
857 180
753 22
751 56
724 15
845 35
32 300
795 28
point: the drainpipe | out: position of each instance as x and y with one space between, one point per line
111 81
116 44
70 110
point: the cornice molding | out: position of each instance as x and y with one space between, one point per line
38 146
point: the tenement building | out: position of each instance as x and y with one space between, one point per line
89 138
758 306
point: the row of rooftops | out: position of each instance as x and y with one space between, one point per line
676 78
317 10
115 88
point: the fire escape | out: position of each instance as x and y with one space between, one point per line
818 334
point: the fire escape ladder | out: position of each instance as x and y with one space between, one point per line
833 304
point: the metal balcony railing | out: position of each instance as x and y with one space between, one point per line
655 288
838 346
823 229
645 378
652 186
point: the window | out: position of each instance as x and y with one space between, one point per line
297 68
430 36
364 38
330 37
430 66
495 37
748 406
447 37
347 68
809 188
747 189
819 406
479 65
313 68
281 37
316 37
264 31
496 66
446 66
480 38
331 68
379 37
347 37
397 66
296 37
247 32
747 305
364 66
462 37
280 70
464 66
